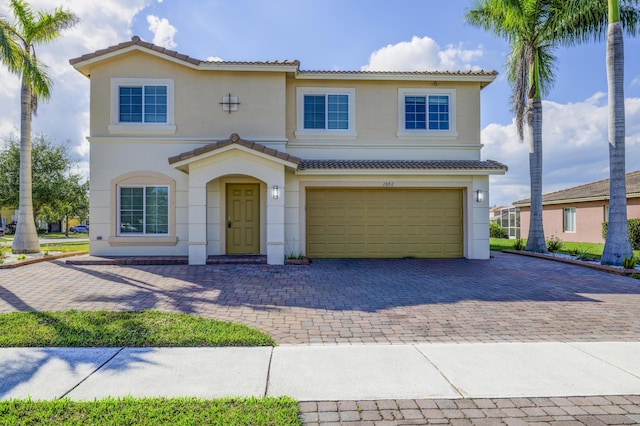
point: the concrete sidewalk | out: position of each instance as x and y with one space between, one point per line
317 373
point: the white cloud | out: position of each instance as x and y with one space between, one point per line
422 54
163 31
65 117
575 149
214 59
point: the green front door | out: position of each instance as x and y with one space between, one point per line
243 219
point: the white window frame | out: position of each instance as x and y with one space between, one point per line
565 222
117 128
143 233
302 133
404 133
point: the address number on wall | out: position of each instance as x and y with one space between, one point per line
387 183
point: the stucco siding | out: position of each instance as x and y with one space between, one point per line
376 123
198 97
589 218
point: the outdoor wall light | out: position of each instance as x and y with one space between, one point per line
479 195
275 192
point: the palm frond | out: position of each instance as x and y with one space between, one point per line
24 17
48 26
518 73
35 74
9 49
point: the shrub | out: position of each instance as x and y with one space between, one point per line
629 262
496 231
554 244
518 244
634 232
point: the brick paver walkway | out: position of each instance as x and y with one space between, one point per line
594 410
507 298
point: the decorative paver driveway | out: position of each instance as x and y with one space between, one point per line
507 298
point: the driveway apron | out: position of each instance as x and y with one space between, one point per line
370 301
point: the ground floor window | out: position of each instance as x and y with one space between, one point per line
569 219
143 210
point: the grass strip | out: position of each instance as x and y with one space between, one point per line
132 328
152 411
65 247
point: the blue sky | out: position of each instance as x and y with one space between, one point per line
350 35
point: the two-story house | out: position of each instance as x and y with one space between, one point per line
195 158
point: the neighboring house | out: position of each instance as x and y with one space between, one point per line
508 218
7 216
576 214
10 216
494 214
200 158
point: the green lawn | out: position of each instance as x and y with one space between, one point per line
593 250
133 329
54 245
65 247
499 244
152 411
58 235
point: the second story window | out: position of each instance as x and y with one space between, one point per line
324 112
426 113
330 112
143 104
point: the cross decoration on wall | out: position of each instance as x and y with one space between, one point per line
229 103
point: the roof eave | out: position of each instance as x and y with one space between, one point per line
573 200
487 78
413 172
84 63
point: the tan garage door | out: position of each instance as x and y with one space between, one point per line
365 222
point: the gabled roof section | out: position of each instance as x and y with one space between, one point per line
136 43
234 139
593 191
84 63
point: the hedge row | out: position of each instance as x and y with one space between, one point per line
634 232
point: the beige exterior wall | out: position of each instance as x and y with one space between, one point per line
376 123
589 218
198 112
267 114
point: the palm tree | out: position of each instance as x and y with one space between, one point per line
534 29
617 245
28 30
527 26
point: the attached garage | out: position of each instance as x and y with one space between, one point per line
384 222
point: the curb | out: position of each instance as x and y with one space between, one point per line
42 259
603 268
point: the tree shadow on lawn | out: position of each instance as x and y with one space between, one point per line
40 372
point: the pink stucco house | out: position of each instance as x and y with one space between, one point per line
576 214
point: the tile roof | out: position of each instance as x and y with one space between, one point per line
137 41
590 191
401 164
234 139
416 73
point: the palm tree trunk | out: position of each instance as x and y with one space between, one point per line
617 245
535 241
26 238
